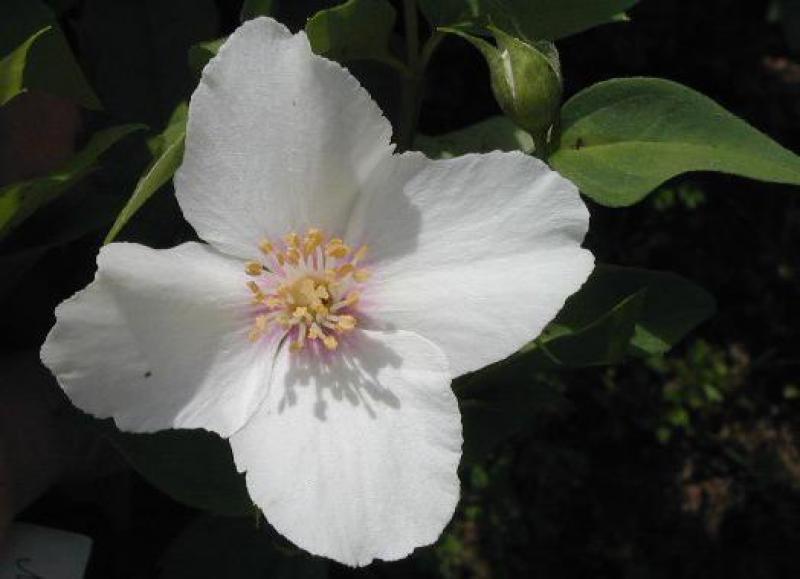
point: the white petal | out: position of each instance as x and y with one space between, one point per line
355 457
476 253
159 340
277 138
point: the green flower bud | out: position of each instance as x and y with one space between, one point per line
526 81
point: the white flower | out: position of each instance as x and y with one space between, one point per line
341 289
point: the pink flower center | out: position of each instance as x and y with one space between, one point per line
308 286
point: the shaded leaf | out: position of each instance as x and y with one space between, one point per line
254 8
217 547
493 134
18 201
202 52
51 66
357 29
194 467
601 342
167 150
623 138
673 306
12 69
514 398
138 50
529 19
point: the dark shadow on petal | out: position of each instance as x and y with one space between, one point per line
348 375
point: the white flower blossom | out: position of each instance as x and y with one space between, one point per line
341 288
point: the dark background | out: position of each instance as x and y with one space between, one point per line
687 466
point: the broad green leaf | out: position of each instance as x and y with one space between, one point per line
602 342
254 8
202 52
50 65
357 29
12 69
18 201
240 548
167 151
194 467
530 19
673 306
494 134
623 138
554 19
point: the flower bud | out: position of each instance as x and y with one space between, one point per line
526 81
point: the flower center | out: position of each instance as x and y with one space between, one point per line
308 286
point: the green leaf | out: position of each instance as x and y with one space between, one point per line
194 467
18 201
255 8
12 69
167 149
529 19
217 547
623 138
355 30
673 306
50 64
602 342
202 52
555 19
493 134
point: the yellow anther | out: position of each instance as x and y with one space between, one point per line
292 240
360 254
314 332
293 256
301 313
314 239
296 346
261 323
254 268
266 246
344 270
330 342
254 335
346 323
321 310
336 248
361 275
253 286
274 302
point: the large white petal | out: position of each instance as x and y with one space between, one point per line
476 253
277 138
159 340
354 456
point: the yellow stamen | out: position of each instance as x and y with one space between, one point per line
361 275
330 342
266 246
336 248
344 270
360 254
292 240
315 332
254 268
346 323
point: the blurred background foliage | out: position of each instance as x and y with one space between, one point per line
679 464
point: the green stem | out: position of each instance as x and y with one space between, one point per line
411 83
